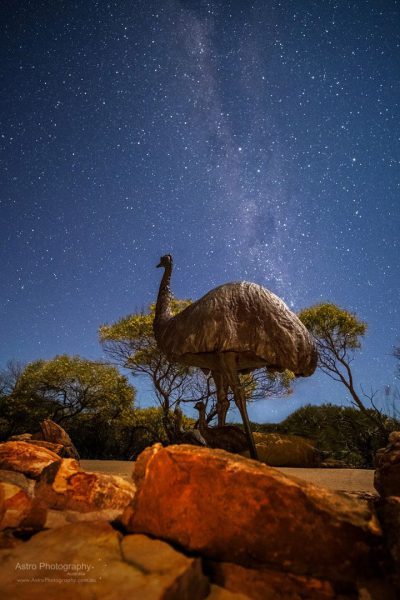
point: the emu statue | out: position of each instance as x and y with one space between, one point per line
235 328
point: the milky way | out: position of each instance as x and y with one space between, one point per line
252 140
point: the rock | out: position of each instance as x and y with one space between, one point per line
155 556
231 509
219 593
52 432
16 497
59 518
17 479
387 464
23 437
103 564
25 458
389 514
56 448
63 485
8 540
278 450
265 583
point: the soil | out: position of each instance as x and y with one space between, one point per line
349 480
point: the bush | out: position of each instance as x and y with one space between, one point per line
341 433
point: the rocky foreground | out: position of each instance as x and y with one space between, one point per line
194 523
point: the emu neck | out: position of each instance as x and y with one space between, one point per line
163 306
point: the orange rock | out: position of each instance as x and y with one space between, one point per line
92 560
389 513
18 506
8 540
16 496
52 432
232 509
63 485
59 518
387 463
56 448
219 593
25 458
265 583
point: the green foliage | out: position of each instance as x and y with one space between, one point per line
62 389
119 438
338 334
334 325
262 383
71 384
341 433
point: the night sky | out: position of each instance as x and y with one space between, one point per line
252 140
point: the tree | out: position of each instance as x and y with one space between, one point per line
130 344
65 387
9 376
338 334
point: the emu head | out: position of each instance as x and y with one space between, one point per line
165 261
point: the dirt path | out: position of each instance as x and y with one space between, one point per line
349 480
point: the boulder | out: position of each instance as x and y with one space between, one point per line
52 432
231 509
25 458
8 540
22 437
389 514
59 518
64 486
387 467
219 593
278 450
56 448
265 583
103 564
16 497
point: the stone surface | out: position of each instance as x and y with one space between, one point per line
59 518
8 540
389 514
52 432
91 560
25 458
63 485
264 584
155 556
16 497
277 450
387 465
22 437
56 448
219 593
232 509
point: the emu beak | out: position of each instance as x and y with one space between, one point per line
159 265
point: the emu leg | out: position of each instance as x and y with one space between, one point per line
240 402
229 371
222 400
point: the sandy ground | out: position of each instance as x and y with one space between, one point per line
349 480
